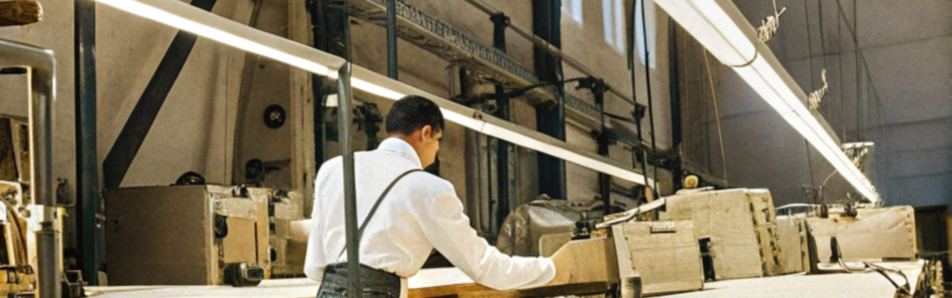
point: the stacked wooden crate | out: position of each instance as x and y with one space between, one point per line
664 254
183 235
741 225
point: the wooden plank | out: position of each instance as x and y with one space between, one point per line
158 235
20 12
765 226
875 234
21 148
590 263
8 165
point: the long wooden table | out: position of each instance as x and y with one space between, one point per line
590 266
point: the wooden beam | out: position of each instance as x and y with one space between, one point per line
20 12
590 263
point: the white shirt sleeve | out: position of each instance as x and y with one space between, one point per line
447 228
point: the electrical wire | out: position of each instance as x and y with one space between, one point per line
806 145
651 125
642 160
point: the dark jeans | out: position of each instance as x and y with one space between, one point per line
375 283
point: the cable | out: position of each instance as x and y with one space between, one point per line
819 5
839 58
651 125
717 118
859 135
806 145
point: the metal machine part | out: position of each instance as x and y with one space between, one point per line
275 116
243 275
190 178
540 226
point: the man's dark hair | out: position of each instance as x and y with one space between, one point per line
413 112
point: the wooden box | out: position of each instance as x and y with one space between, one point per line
165 235
285 210
664 253
875 234
793 243
741 225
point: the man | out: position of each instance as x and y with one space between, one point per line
417 212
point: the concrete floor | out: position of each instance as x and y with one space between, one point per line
858 284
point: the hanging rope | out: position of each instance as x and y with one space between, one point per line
717 118
816 97
770 24
651 125
814 192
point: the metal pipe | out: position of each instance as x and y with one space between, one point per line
504 195
344 119
41 74
392 39
87 160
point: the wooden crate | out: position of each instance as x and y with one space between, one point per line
742 227
792 232
165 235
284 262
664 253
875 234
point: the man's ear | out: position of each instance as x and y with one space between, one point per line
426 132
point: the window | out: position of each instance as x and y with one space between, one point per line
613 17
573 9
640 38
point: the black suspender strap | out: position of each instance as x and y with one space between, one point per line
373 210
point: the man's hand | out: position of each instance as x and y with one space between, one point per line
584 261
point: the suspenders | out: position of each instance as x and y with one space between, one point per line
373 210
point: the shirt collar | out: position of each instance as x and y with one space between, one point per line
402 148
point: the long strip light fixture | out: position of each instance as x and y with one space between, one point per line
721 28
184 17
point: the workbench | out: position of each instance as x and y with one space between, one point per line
860 284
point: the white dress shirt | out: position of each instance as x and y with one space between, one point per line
420 213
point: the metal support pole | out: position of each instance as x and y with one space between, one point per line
40 71
597 86
330 28
392 39
504 195
550 118
344 119
87 161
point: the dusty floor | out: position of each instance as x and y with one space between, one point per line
860 284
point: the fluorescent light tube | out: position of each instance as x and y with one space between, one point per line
720 27
205 24
185 17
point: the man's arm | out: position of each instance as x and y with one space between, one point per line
447 228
